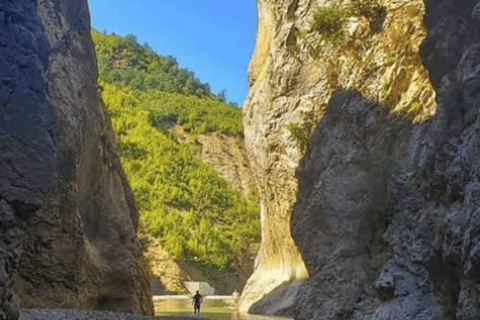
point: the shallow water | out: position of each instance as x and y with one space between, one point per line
211 309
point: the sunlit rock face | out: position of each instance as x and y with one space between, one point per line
228 156
67 215
365 155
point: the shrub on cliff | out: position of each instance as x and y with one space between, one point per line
300 133
328 21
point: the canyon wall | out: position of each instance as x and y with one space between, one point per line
68 218
365 152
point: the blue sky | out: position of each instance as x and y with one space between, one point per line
213 38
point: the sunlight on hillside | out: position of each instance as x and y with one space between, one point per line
182 200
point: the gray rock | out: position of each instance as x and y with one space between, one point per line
385 209
7 216
68 218
476 12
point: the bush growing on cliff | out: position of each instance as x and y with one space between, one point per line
300 134
414 105
328 21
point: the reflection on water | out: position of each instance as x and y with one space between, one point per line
211 309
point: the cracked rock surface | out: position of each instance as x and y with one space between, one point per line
377 213
67 215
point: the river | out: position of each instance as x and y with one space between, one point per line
211 309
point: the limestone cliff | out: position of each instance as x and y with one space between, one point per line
365 154
67 215
228 156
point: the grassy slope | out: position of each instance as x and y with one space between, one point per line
183 201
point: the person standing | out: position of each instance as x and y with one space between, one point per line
197 301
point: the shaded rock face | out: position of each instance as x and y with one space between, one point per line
381 202
67 215
344 205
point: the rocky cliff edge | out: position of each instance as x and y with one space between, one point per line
67 215
364 146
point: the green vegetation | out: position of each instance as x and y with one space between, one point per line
122 61
301 34
328 21
386 90
300 134
194 114
314 50
414 105
182 200
389 56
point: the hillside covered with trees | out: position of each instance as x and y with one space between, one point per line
194 213
122 60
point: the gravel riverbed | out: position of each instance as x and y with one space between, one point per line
72 314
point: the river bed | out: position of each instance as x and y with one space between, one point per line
210 309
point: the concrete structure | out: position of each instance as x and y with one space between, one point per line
203 287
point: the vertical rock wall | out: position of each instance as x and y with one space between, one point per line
381 200
67 215
278 263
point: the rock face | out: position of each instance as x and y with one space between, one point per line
68 218
365 152
228 156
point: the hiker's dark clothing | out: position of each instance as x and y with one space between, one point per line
197 300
